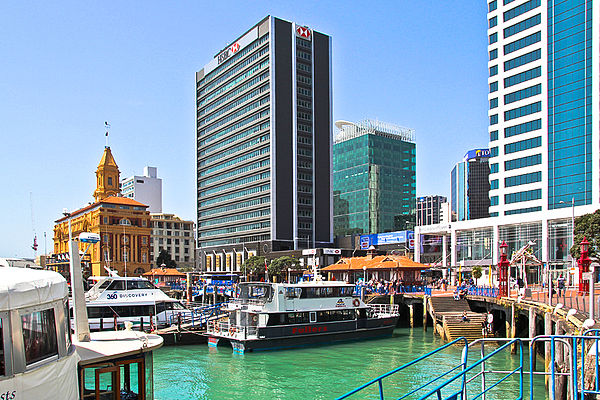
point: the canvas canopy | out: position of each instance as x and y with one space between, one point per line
22 287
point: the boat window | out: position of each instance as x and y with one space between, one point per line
131 285
327 291
291 292
117 285
39 335
125 379
336 315
104 284
313 316
296 318
255 292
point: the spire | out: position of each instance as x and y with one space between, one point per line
107 177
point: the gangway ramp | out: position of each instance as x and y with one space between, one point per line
447 314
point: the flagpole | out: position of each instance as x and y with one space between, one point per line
106 127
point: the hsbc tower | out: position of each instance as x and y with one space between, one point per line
264 140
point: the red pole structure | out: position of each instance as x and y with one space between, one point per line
584 266
503 265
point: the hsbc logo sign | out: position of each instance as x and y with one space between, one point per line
229 52
304 32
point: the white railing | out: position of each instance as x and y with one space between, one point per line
383 310
224 328
252 302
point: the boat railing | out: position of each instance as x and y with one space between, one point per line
197 316
225 328
246 301
382 310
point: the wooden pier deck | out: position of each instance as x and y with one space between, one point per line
447 316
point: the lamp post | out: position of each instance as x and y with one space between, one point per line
503 265
289 271
572 225
584 266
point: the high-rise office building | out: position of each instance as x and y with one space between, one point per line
429 209
264 135
470 190
146 189
544 131
374 178
542 96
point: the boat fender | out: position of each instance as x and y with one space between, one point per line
356 302
231 330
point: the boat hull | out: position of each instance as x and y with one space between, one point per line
308 335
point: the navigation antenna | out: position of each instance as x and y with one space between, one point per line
106 129
35 244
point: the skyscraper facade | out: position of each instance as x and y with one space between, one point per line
374 178
541 96
146 189
470 188
264 135
429 209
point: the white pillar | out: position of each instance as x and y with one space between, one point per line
82 327
496 246
544 243
417 240
444 252
452 248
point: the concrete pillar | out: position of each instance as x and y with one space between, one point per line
417 241
452 247
425 313
496 246
544 242
444 254
411 315
532 334
547 331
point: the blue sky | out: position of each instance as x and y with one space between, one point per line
69 66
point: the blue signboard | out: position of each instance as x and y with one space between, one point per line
477 153
376 239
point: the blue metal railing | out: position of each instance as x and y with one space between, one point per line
379 380
198 316
399 290
457 385
483 291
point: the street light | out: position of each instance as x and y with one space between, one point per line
503 265
572 225
289 270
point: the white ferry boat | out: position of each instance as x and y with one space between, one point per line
40 360
118 299
269 316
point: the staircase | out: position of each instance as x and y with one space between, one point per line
447 313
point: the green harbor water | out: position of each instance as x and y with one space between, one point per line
325 372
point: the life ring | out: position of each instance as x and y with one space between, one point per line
232 330
254 318
356 302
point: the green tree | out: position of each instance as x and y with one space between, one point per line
254 265
165 258
279 266
587 226
476 272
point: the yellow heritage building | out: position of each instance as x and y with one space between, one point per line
122 223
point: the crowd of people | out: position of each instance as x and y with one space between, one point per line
381 286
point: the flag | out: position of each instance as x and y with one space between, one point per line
35 245
106 134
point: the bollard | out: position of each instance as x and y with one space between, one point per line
425 313
411 318
141 324
101 324
115 322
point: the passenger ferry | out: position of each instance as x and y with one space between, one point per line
269 316
131 299
39 359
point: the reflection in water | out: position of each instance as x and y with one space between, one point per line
199 372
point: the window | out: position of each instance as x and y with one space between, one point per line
493 136
109 181
39 335
493 87
492 5
493 119
522 60
523 162
522 111
523 128
105 220
493 54
144 240
493 70
522 77
521 9
521 43
494 184
492 22
523 210
493 38
522 179
494 152
523 25
523 94
523 145
494 201
494 168
493 103
518 197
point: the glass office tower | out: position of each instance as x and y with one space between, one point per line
540 98
470 191
374 179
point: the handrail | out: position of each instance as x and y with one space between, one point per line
381 377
